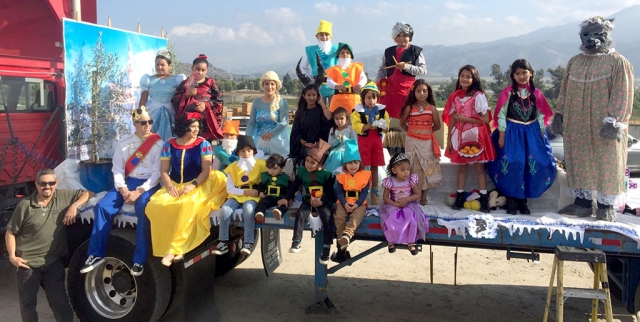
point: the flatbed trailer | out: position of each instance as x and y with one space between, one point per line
623 252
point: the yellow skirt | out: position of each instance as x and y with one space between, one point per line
179 225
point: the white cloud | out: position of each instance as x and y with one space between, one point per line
379 9
455 6
246 34
326 7
514 20
282 16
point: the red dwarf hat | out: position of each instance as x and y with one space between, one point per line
318 151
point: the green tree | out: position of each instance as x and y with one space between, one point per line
500 79
557 76
291 86
537 79
174 57
442 94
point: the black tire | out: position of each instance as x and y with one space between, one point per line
147 297
228 261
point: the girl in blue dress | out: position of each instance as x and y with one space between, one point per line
269 119
157 91
524 166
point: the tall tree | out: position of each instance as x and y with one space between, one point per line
557 76
500 79
538 79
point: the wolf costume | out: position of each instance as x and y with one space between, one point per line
593 109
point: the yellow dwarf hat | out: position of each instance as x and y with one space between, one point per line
231 127
325 26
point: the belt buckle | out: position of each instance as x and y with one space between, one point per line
352 194
273 191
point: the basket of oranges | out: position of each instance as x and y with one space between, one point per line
470 149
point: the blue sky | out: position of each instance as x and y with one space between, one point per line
238 34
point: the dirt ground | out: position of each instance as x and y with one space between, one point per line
382 287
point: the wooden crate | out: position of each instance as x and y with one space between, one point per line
246 108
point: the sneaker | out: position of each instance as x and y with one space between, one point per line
137 270
344 241
259 216
247 248
324 258
91 263
222 248
295 247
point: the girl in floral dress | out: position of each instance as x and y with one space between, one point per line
420 119
468 115
403 221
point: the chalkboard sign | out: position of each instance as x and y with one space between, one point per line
271 253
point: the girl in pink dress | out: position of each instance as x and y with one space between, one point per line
402 219
468 114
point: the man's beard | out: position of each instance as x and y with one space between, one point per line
228 145
325 46
246 164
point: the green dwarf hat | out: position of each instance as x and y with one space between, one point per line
342 45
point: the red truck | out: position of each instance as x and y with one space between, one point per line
33 136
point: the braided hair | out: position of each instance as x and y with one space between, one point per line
522 64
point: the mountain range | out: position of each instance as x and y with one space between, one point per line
547 47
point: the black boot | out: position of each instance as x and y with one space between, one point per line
457 205
522 207
511 206
484 203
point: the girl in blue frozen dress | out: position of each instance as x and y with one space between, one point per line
269 119
157 91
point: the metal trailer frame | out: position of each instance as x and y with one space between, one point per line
623 253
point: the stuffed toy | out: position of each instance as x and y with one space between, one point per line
496 200
593 109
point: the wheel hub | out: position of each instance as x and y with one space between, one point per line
110 289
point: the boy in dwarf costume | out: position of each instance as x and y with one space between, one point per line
273 187
352 188
320 196
136 177
224 153
346 78
243 178
327 53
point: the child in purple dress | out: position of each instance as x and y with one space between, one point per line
403 221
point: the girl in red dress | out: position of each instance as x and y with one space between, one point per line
199 96
468 114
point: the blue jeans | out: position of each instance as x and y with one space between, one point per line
108 207
248 211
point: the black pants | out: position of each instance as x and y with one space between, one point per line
324 212
268 202
51 278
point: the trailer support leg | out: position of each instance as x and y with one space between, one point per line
455 267
430 263
322 304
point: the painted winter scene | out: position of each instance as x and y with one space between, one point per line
103 70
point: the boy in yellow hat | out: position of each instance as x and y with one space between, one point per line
224 153
327 53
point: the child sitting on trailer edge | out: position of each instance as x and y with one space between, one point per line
319 195
273 186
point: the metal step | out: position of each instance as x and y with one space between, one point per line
584 293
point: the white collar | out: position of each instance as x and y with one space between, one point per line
360 107
611 51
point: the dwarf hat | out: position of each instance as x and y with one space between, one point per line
318 151
371 85
351 152
341 46
245 141
139 113
325 26
231 127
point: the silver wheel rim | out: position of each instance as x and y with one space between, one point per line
103 296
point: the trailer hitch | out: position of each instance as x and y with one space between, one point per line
529 256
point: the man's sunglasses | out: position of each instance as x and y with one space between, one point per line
144 123
47 183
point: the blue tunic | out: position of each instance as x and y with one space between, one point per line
186 160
